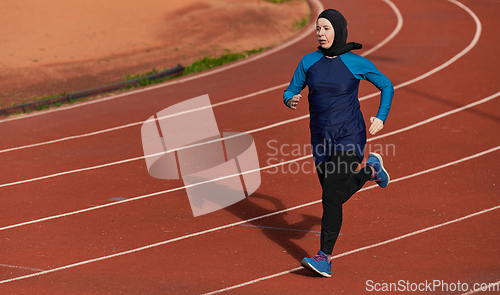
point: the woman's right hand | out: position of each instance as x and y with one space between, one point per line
294 101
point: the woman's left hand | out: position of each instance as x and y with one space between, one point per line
376 125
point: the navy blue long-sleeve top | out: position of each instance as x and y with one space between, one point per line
336 121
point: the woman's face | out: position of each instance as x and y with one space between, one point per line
325 33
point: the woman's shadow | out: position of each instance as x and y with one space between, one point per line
275 227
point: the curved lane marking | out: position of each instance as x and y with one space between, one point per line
275 213
303 205
398 28
316 3
491 97
362 249
277 87
421 77
481 101
425 75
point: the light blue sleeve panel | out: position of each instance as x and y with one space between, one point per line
299 78
364 69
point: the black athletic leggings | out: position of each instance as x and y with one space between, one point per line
339 180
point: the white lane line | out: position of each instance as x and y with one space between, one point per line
268 215
175 189
437 117
21 267
469 47
267 167
257 93
491 97
148 195
477 34
491 287
155 244
456 57
317 6
398 28
360 250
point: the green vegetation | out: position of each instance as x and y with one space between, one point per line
145 81
37 98
208 62
300 23
205 63
132 77
29 109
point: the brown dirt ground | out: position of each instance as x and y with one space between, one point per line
50 47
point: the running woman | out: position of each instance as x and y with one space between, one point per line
338 131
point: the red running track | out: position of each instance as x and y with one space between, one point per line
436 222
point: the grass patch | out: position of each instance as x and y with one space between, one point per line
301 23
205 63
208 62
47 96
143 82
29 109
37 98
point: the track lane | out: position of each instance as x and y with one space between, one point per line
190 248
142 228
237 115
156 277
410 260
268 159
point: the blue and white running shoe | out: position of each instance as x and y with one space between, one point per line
319 264
381 176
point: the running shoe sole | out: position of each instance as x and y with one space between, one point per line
306 265
382 167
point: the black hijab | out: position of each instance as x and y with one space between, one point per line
339 24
